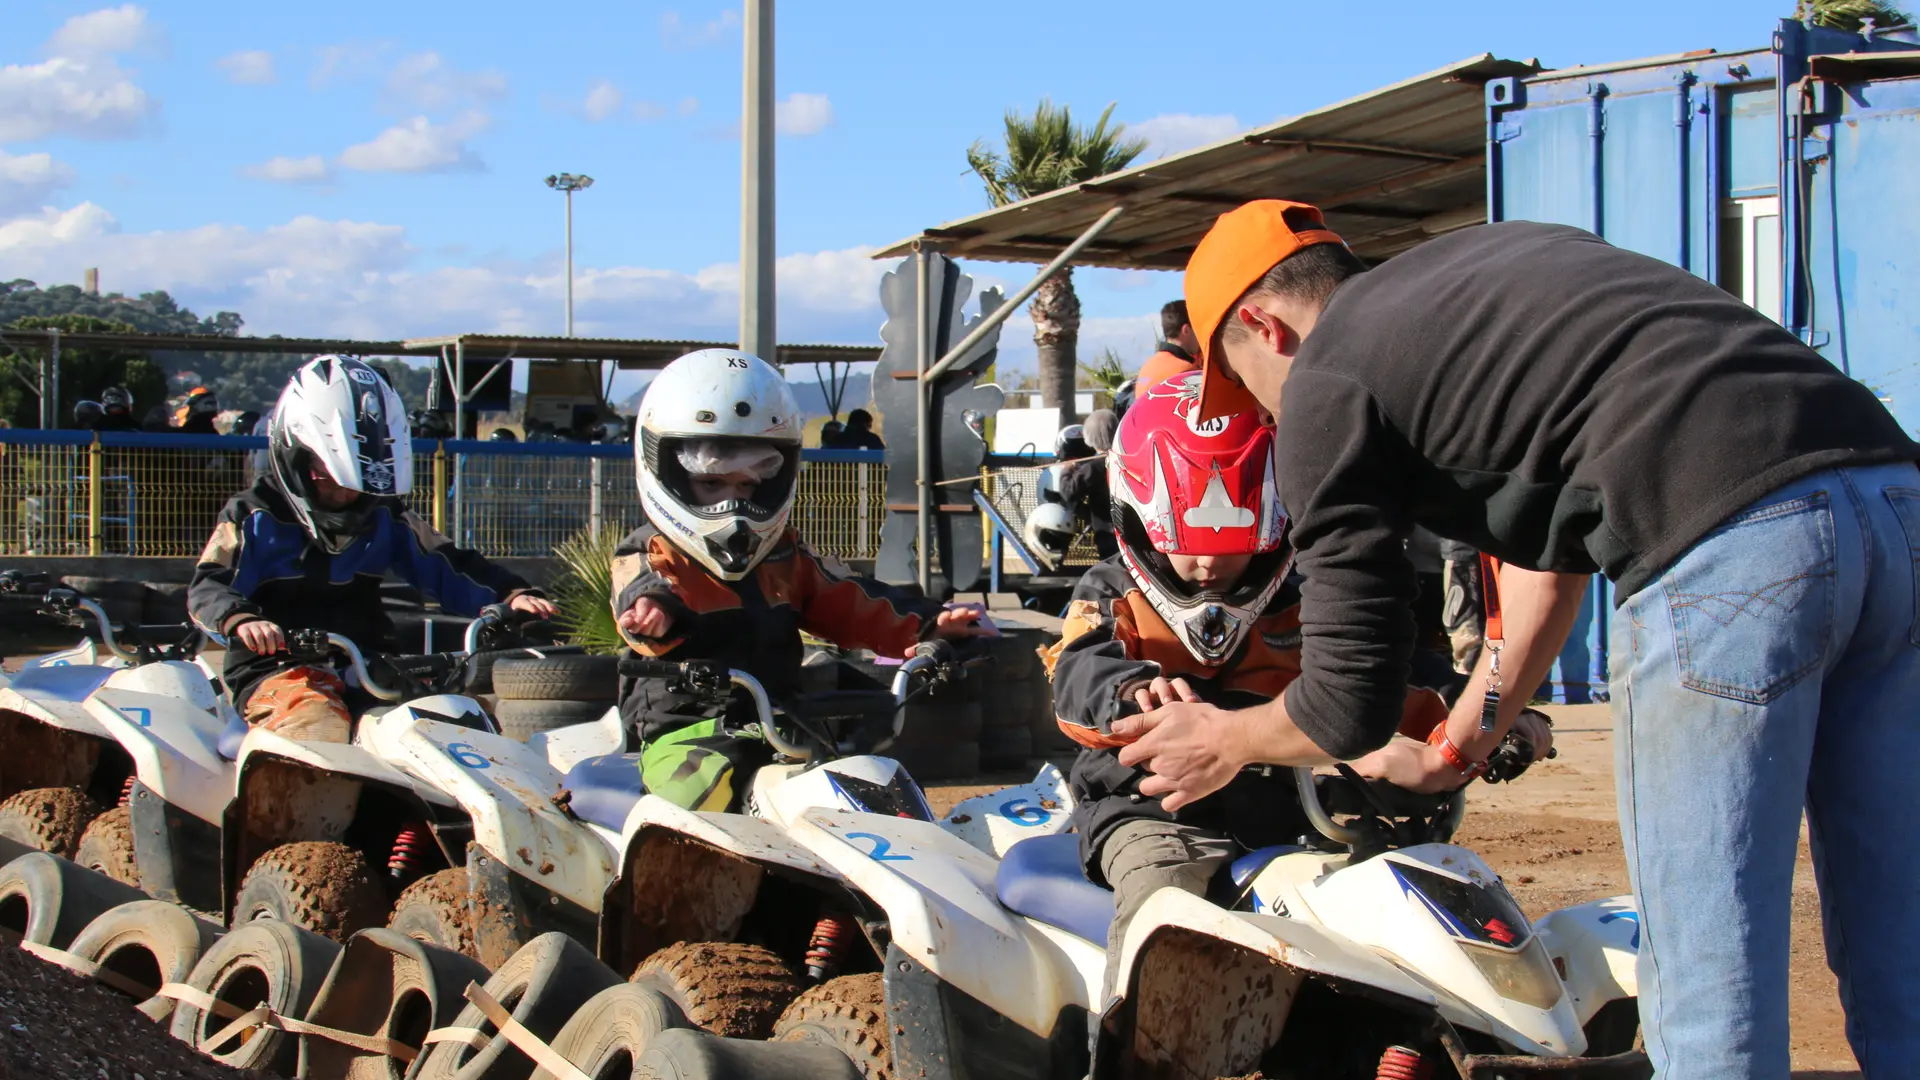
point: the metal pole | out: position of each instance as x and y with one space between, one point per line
569 262
459 430
757 334
923 404
50 401
991 322
94 461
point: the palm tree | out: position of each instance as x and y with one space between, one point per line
1046 152
1849 14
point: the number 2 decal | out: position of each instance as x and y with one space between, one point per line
1633 916
465 754
1024 814
881 847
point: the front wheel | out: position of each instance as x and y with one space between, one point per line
320 886
729 989
107 846
435 910
848 1014
48 819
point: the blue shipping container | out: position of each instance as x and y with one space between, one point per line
1785 174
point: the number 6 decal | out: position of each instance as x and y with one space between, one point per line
465 754
881 847
1024 814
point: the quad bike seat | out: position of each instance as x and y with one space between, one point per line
231 737
66 682
605 788
1248 866
1041 879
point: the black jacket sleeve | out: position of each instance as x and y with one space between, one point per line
1092 673
212 600
1343 474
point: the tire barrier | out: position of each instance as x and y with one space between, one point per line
683 1054
319 885
144 945
848 1015
47 900
391 988
256 975
617 1025
550 692
540 987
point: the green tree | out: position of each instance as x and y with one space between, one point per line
1849 15
1045 152
84 373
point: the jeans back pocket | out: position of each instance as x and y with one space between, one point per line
1752 603
1906 508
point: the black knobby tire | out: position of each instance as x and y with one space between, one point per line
107 846
557 678
316 885
848 1014
727 988
149 943
523 720
480 665
48 819
684 1054
613 1029
436 910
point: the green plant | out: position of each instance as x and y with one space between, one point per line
583 591
1107 372
1849 15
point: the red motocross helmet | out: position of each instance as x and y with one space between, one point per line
1198 488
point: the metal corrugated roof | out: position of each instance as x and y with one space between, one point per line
1391 168
627 352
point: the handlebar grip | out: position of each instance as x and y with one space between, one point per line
651 669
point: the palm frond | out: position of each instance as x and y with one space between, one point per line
1046 151
1106 371
583 591
1850 15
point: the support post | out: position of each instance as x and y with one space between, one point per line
863 511
94 462
440 486
595 477
756 185
459 430
923 408
50 384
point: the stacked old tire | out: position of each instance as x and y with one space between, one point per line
541 693
1016 700
941 737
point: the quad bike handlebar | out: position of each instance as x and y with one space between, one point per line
319 646
75 609
1382 815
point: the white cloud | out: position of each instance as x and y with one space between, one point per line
677 33
79 89
426 81
251 67
104 33
26 180
603 100
311 169
420 145
348 60
648 110
688 106
802 114
1174 132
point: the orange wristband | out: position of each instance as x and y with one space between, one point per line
1453 755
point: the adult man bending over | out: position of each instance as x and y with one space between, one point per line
1569 407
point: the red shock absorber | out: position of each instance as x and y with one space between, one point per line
824 955
1400 1063
126 791
408 849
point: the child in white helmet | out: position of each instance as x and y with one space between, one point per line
716 572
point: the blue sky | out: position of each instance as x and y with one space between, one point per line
374 170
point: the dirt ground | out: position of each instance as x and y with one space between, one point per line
1554 838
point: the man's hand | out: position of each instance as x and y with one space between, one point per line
1163 691
261 637
963 621
647 618
1414 766
538 607
1192 749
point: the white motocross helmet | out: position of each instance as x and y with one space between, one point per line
732 403
339 414
1049 533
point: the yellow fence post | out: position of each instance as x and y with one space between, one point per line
440 487
94 462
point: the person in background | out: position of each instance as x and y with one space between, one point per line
1179 350
830 434
117 405
197 415
87 415
1083 484
157 420
859 433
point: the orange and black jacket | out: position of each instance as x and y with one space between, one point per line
753 624
1113 642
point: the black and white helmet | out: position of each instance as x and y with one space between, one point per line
714 409
340 415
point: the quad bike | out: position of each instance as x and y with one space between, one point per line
1374 948
723 912
80 738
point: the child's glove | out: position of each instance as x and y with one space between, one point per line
647 618
964 621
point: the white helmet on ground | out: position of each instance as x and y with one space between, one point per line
717 411
339 415
1049 533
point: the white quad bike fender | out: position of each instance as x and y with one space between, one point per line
168 719
507 788
1000 819
1597 945
1405 905
943 911
68 712
739 835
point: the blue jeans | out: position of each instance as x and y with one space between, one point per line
1774 667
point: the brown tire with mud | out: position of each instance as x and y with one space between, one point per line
107 846
316 885
729 989
848 1014
435 910
48 819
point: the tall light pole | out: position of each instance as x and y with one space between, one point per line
756 184
567 184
